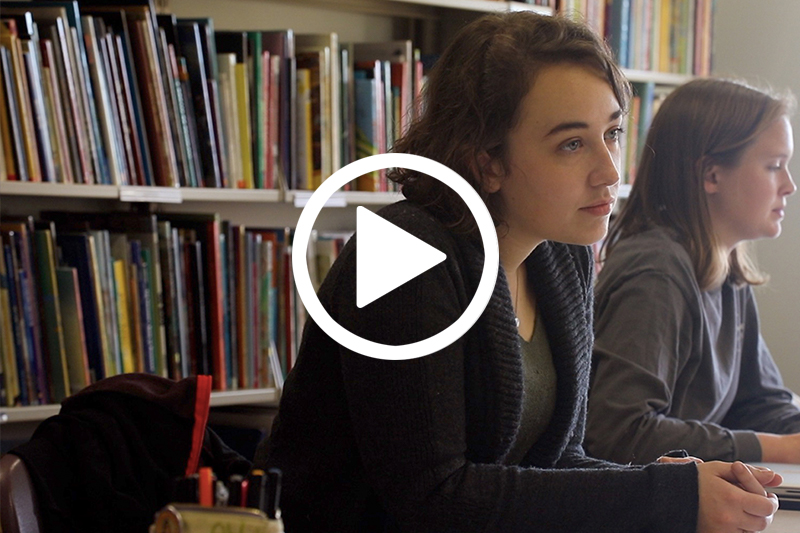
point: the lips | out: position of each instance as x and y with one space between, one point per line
600 208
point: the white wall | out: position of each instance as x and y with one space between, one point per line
760 41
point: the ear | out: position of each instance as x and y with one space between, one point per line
491 171
711 178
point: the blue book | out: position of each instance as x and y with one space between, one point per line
145 313
200 331
182 299
24 377
366 90
37 373
619 30
231 280
192 50
646 92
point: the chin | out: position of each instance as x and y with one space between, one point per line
586 240
585 236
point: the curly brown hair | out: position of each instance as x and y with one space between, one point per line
473 96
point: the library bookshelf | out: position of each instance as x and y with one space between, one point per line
428 24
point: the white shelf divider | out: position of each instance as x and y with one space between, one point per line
201 194
33 413
480 5
372 198
62 190
419 9
127 193
345 198
659 78
37 413
247 396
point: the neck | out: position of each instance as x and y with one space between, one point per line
514 250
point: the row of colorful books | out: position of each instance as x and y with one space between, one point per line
659 35
107 94
647 98
85 296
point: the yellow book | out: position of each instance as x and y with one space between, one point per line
243 103
230 118
9 364
305 126
665 46
194 518
10 41
655 36
123 314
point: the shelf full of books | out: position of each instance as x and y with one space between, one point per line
90 295
120 96
103 95
668 36
659 43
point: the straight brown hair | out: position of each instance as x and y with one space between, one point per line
702 123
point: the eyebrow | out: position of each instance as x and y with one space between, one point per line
564 126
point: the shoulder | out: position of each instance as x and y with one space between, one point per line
418 221
655 249
655 252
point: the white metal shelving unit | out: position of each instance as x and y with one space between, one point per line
249 206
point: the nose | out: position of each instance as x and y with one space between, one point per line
790 188
607 169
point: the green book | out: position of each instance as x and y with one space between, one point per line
69 299
258 108
51 314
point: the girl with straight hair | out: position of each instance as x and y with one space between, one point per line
679 361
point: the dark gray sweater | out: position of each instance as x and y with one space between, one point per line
371 445
677 367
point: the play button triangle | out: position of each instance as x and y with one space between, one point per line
387 257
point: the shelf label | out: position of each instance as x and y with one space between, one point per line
164 195
337 199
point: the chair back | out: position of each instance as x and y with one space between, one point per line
19 510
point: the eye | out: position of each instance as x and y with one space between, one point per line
571 146
775 168
615 134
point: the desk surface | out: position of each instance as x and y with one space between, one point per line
785 522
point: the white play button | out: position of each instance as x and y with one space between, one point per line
387 257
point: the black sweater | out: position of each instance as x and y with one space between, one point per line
373 445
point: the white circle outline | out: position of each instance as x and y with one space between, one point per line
375 349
